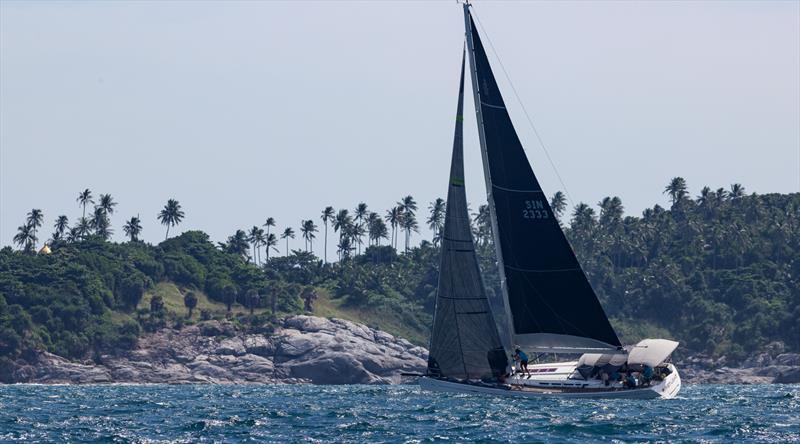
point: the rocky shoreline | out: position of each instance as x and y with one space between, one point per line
764 368
309 349
303 349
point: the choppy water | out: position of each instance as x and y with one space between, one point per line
235 413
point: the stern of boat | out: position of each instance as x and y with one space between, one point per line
670 386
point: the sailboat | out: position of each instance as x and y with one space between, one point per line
550 306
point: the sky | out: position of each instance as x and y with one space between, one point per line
255 109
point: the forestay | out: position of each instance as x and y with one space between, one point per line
552 305
464 342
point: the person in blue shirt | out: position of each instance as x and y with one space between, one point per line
647 373
520 356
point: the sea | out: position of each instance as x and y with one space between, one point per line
390 414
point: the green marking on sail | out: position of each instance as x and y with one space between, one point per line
457 181
459 118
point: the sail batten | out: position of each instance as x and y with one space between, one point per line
465 343
548 298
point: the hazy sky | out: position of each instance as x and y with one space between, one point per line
254 109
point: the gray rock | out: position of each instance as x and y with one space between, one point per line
791 376
232 346
305 349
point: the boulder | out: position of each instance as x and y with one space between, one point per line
790 376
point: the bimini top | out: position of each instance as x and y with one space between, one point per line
651 352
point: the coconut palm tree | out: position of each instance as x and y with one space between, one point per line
436 219
25 238
408 205
61 226
344 247
359 217
409 224
238 244
100 223
107 203
611 211
558 203
254 237
34 220
342 222
269 223
308 228
394 217
377 229
676 190
408 208
83 228
133 228
737 191
84 198
327 216
171 215
271 241
287 233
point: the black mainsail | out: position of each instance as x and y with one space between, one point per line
465 343
550 301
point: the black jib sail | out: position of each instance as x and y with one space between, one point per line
551 303
464 342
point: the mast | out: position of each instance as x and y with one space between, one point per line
509 331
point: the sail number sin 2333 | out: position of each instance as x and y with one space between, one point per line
534 209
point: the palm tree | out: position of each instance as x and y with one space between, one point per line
611 211
676 190
133 228
190 302
83 227
252 297
359 216
270 242
238 244
737 191
35 218
327 216
342 222
171 215
107 203
269 223
255 236
436 219
558 203
25 238
409 224
408 208
408 205
344 247
84 198
61 226
394 217
705 196
308 228
100 223
287 233
377 229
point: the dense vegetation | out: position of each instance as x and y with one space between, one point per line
720 273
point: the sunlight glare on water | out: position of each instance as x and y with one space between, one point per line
402 414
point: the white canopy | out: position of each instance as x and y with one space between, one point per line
651 352
601 359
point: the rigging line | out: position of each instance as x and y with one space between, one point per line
522 105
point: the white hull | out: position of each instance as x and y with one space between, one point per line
533 388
